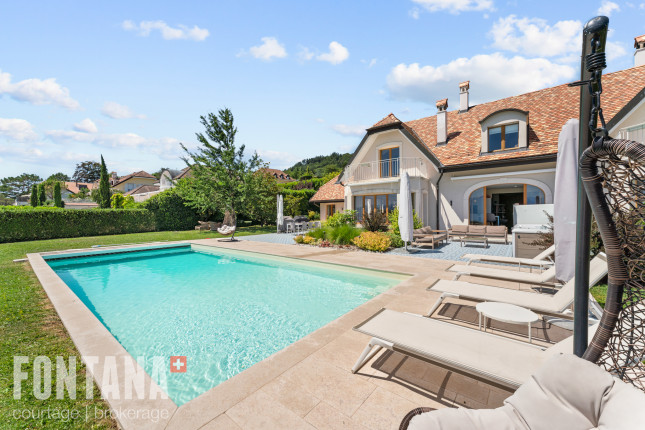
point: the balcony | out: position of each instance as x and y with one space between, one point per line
636 133
385 170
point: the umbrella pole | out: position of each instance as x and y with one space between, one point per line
595 27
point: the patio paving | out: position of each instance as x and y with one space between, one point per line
448 251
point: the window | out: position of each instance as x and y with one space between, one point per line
331 210
130 187
476 207
381 202
503 137
389 162
533 195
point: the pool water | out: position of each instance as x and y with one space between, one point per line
223 310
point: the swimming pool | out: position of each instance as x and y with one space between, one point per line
224 310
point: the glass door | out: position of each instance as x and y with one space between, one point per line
389 162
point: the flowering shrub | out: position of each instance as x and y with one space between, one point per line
308 240
324 244
299 238
373 241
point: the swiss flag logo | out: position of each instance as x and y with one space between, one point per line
178 364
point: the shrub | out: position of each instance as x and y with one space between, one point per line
396 240
342 235
308 240
318 233
27 223
313 216
376 221
341 218
171 212
373 241
324 244
394 221
117 200
299 239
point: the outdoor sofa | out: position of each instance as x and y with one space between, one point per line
426 236
484 231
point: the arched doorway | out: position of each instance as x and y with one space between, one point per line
493 204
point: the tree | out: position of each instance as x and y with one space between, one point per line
117 200
103 198
61 177
16 186
221 175
262 204
58 201
42 198
33 199
87 171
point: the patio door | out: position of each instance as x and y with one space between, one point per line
389 162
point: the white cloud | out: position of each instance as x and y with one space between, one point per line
534 37
492 77
369 63
278 159
455 6
414 13
17 129
119 111
269 49
37 91
320 120
336 55
305 54
608 7
349 130
87 125
614 50
144 28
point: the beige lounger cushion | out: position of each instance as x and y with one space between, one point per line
548 276
492 357
567 392
509 260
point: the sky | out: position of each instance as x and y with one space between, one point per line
130 80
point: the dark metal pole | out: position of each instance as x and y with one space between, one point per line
595 27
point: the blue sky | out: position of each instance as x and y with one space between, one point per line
129 80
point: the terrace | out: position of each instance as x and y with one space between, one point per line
386 170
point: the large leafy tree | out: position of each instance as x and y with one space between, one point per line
14 186
221 173
103 197
87 171
262 204
60 177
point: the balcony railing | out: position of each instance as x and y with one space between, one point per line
636 133
385 169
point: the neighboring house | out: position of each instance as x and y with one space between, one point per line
279 175
23 200
330 197
74 188
81 205
130 182
166 181
472 164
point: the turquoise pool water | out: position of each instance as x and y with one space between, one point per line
223 310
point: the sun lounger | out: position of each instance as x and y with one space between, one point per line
541 303
498 359
544 278
540 260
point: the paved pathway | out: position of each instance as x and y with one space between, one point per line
449 251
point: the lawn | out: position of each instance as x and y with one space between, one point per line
29 326
599 292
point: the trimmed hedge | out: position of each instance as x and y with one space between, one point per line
27 223
170 211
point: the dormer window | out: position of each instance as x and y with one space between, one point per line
503 137
504 130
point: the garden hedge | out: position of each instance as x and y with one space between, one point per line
170 211
27 223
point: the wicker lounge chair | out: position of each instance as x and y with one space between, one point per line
226 230
498 359
546 304
541 260
544 278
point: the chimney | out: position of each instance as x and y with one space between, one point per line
639 55
463 96
442 121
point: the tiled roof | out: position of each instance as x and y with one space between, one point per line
329 192
390 119
74 187
143 189
549 110
279 174
184 173
139 174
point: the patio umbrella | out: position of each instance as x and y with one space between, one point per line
280 218
406 222
565 211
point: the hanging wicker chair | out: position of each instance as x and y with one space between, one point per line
613 172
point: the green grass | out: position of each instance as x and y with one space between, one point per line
29 326
599 292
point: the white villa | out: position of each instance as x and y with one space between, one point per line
502 151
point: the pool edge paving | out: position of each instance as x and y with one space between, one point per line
242 390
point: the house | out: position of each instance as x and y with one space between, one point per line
471 165
166 181
279 175
74 188
330 197
130 182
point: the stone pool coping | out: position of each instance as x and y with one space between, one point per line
209 410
